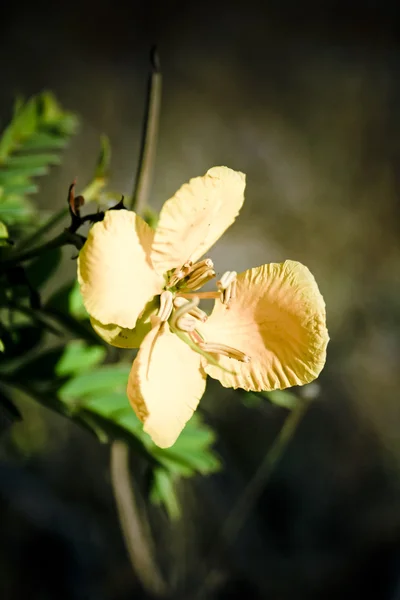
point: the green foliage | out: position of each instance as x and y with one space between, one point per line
30 144
281 398
49 350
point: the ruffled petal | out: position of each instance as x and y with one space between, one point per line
278 319
114 269
165 385
196 217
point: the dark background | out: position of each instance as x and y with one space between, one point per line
304 98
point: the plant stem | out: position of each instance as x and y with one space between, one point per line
137 542
63 239
47 226
144 172
253 490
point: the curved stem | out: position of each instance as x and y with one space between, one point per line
64 238
253 490
137 543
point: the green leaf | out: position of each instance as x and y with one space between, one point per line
16 209
78 357
108 378
93 190
29 145
282 398
4 237
29 161
162 491
191 452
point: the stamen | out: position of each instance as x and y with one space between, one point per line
183 310
195 312
199 278
200 295
166 305
226 279
180 273
205 264
186 323
196 337
223 350
227 286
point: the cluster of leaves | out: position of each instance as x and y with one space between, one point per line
49 350
30 144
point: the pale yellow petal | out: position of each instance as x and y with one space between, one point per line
196 217
114 269
278 319
165 385
121 337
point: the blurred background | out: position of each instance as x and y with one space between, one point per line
303 98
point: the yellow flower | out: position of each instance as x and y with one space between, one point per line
267 329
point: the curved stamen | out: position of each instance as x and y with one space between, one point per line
223 350
183 310
166 305
194 312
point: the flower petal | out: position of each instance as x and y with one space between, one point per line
122 337
278 319
114 270
165 385
196 217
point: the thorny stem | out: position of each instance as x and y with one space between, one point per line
245 503
137 542
149 138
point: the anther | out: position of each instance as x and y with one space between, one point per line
186 323
227 286
224 351
180 273
199 278
166 305
195 312
205 264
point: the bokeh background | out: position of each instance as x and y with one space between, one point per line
304 98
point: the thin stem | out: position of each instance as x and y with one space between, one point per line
45 228
61 240
137 543
253 490
144 172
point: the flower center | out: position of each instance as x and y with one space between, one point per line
180 299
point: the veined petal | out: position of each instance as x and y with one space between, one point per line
165 385
278 319
114 270
199 213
